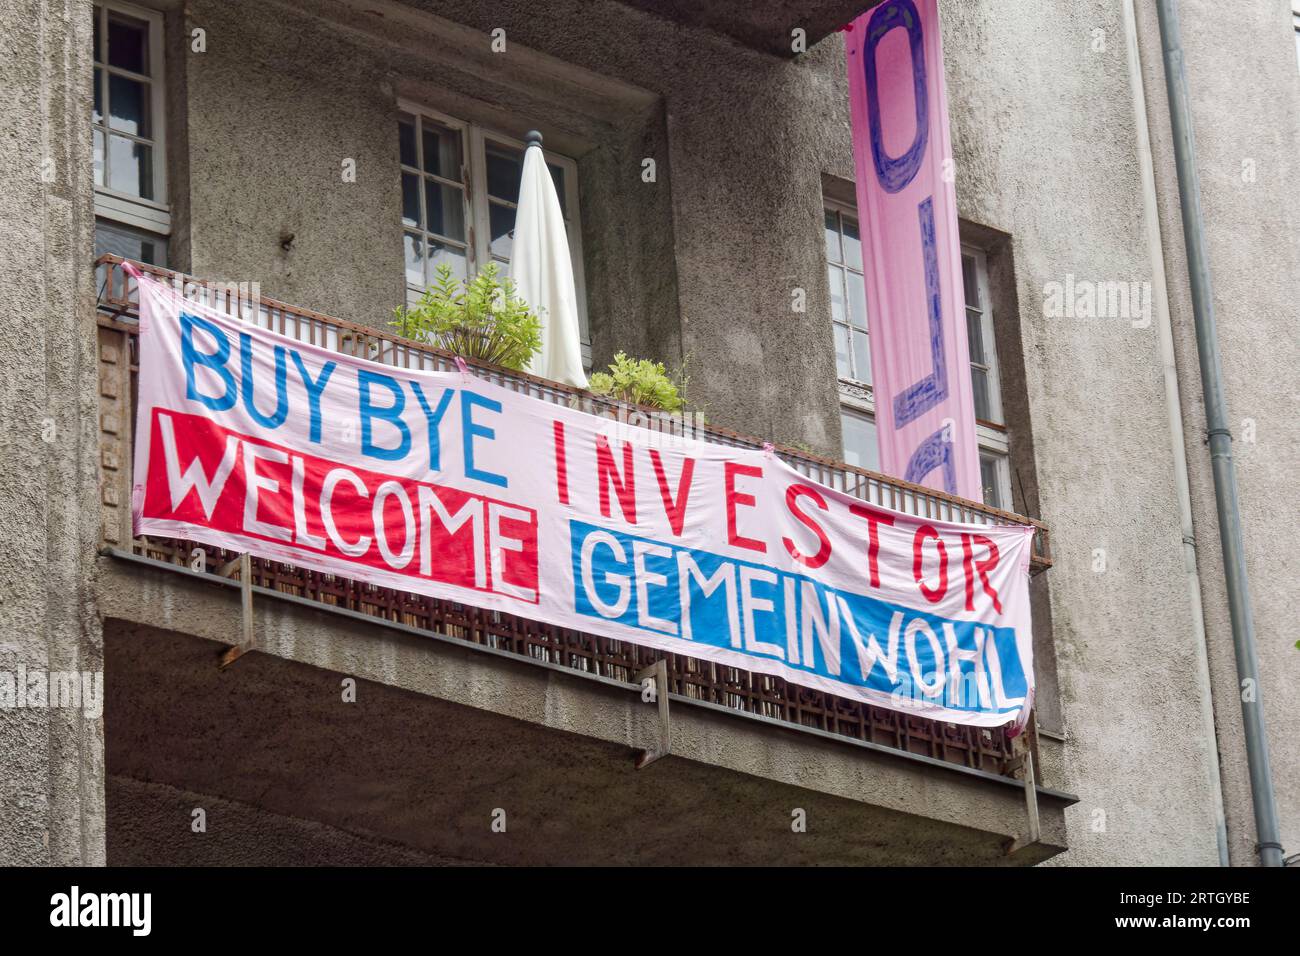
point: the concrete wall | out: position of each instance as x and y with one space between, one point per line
1245 91
51 760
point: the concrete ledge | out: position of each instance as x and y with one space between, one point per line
939 812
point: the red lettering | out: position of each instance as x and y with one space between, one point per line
733 497
792 496
561 466
675 510
338 512
970 567
607 474
874 520
933 595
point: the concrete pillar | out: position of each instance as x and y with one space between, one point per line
51 759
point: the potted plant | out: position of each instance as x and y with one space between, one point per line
640 382
481 319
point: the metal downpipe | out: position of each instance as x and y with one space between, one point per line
1220 439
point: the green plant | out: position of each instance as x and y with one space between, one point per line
481 319
639 381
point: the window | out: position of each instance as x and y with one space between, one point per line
460 187
848 295
853 356
128 132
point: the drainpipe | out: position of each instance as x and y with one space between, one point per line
1220 437
1174 413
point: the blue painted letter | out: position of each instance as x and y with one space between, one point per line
392 414
314 390
469 429
895 172
213 360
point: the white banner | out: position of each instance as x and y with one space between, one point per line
447 485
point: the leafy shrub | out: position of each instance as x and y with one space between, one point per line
481 319
640 382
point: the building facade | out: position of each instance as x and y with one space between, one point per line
334 152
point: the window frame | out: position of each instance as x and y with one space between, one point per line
842 209
149 215
991 365
478 239
462 129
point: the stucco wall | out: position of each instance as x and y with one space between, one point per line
1044 139
1245 94
51 792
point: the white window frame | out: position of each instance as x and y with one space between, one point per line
993 375
843 209
151 215
991 437
474 139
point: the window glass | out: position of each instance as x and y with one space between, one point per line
129 101
442 152
406 141
128 43
119 240
848 297
991 481
502 222
124 106
130 167
860 448
504 167
444 210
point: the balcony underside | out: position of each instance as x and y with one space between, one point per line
764 25
441 735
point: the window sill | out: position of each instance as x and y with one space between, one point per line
133 211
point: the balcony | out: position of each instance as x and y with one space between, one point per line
706 690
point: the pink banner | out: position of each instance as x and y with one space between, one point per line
920 365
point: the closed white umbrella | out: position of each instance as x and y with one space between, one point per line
543 272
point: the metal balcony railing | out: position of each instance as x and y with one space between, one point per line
759 694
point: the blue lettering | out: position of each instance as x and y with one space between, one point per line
392 414
314 390
934 452
213 360
895 172
276 419
434 418
469 429
920 397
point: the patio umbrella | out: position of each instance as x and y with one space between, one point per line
543 272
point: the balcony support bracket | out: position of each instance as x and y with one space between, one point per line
244 566
1035 833
654 690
